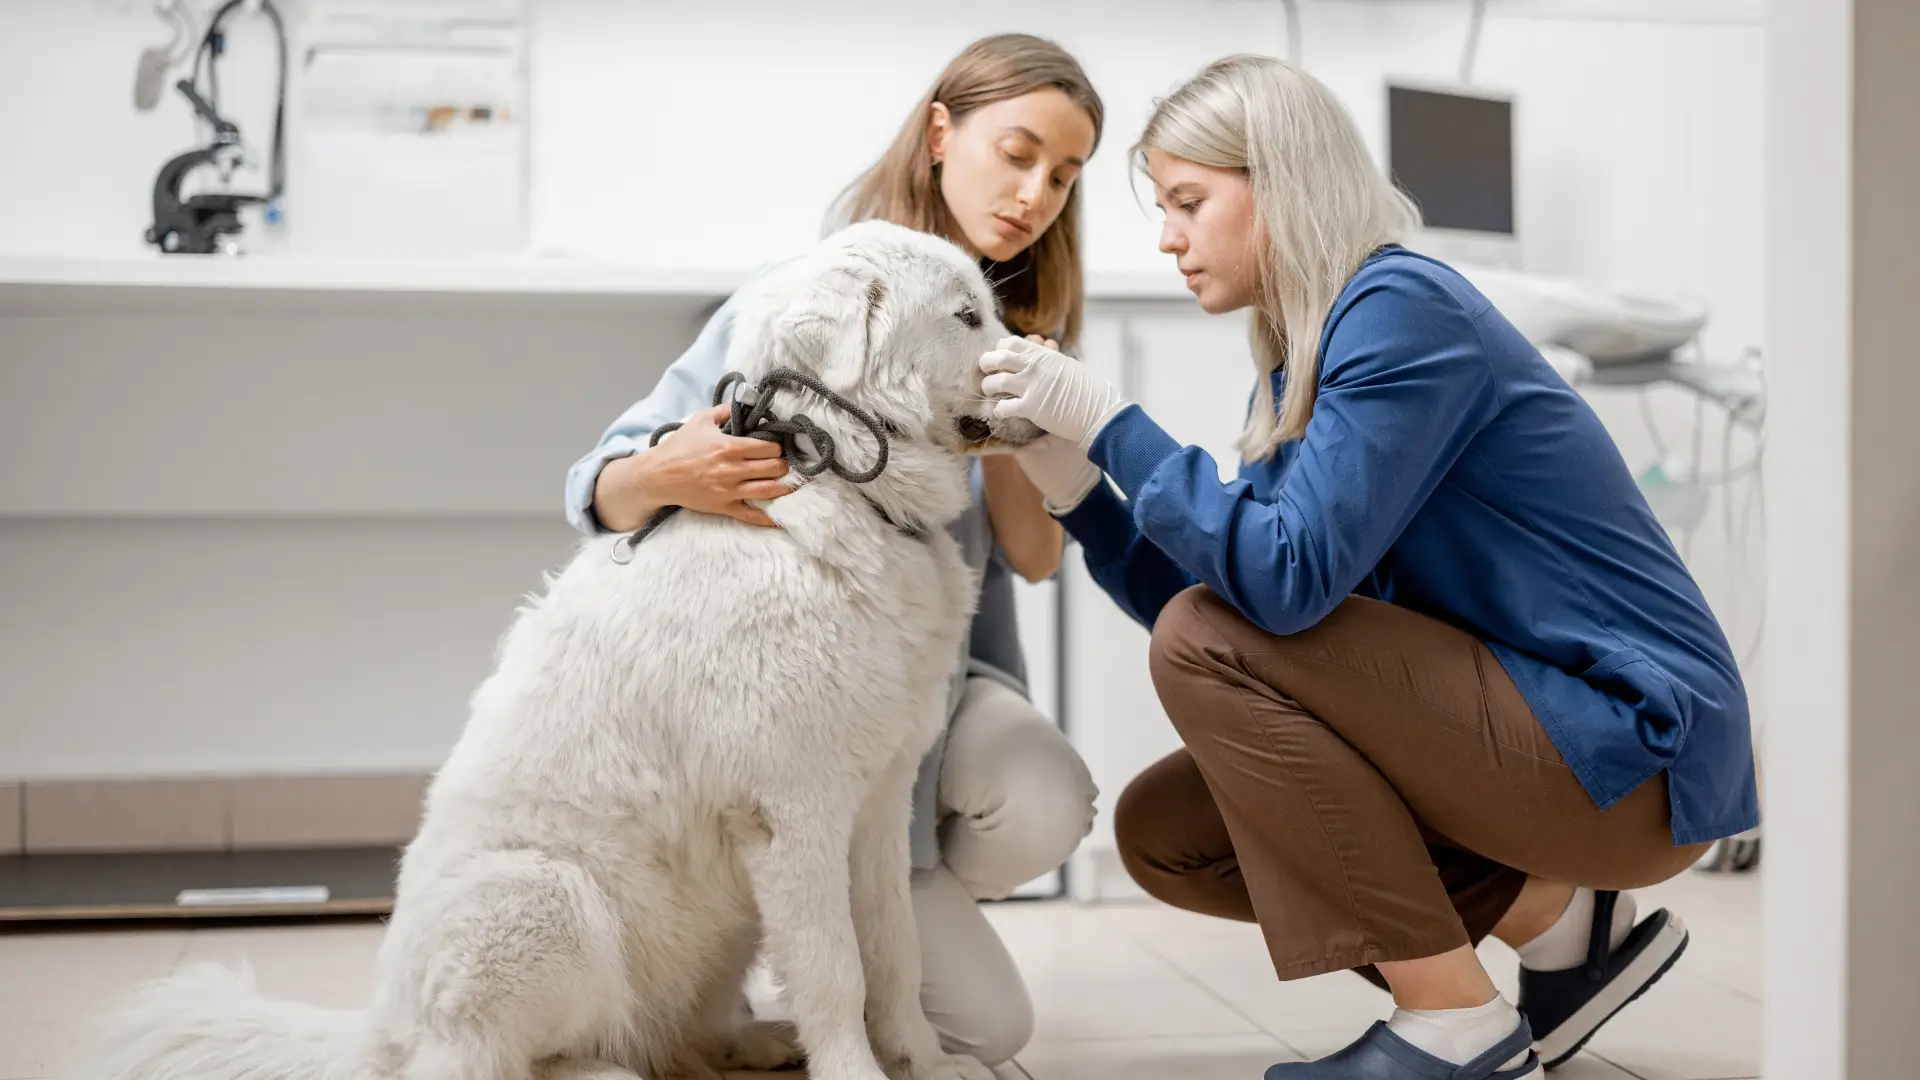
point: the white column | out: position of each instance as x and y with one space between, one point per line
1842 799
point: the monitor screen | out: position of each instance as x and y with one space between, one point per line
1454 155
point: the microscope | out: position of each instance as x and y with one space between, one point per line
200 224
209 223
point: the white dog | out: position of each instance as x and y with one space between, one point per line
682 751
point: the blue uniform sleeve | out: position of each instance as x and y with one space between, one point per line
1405 385
1133 571
685 388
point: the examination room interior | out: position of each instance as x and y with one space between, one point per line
275 480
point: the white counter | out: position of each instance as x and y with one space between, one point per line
272 514
69 282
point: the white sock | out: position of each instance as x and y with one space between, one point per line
1564 944
1459 1035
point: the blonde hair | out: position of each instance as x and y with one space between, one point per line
1046 295
1320 202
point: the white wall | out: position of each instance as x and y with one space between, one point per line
1842 948
685 136
1809 105
245 533
689 135
693 135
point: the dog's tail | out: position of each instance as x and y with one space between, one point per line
207 1022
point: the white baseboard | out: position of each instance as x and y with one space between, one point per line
1096 876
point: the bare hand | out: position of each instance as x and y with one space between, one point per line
697 466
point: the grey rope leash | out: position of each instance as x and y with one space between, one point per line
757 422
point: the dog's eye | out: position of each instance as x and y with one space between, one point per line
968 318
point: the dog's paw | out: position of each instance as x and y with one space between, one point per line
949 1067
764 1046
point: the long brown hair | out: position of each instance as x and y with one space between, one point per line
1041 289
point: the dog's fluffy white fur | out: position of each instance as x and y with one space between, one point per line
678 757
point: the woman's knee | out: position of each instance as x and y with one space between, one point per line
1140 833
1171 839
971 989
997 855
1184 654
1020 796
1178 628
1052 794
994 1025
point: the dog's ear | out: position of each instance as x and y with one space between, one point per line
828 329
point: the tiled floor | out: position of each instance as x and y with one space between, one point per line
1122 992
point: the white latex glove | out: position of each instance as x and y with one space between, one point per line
1049 388
1060 470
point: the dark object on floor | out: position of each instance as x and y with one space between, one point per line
1733 855
149 885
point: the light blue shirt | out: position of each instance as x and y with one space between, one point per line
993 648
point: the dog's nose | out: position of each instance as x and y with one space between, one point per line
974 429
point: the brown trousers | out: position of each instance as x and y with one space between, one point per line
1372 789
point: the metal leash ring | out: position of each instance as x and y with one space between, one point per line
623 543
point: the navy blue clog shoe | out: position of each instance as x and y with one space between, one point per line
1382 1055
1565 1008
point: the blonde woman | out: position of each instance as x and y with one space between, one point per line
988 159
1438 672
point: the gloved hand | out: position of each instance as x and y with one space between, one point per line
1060 470
1049 388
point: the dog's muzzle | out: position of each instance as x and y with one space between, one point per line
1010 432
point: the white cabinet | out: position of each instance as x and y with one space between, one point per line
1191 372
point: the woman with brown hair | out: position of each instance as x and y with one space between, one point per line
987 159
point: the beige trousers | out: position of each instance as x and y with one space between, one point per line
1015 800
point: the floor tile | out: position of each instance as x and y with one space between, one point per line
74 975
1055 943
1685 1028
1337 999
1193 939
1722 913
1150 918
1585 1066
33 1051
1071 1013
1009 1071
1232 957
1235 1057
326 964
1120 991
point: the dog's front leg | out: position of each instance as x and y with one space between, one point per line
796 851
908 1046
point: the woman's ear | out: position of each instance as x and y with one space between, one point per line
939 126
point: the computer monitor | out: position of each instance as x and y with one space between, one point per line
1451 150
